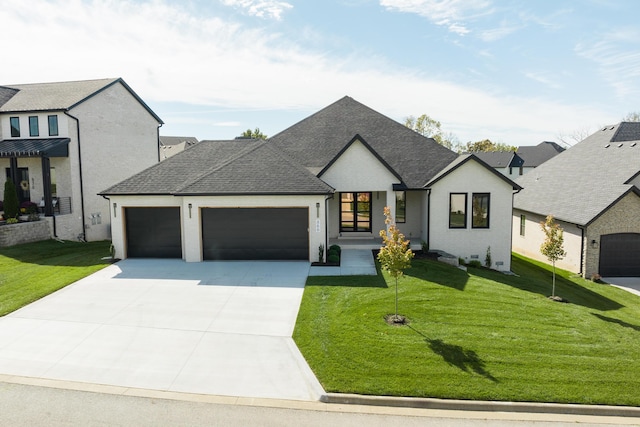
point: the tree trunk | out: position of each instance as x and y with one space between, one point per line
553 288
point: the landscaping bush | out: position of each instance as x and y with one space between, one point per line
335 248
333 258
28 207
11 207
474 263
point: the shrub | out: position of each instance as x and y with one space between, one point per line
425 246
474 263
336 248
11 208
321 253
28 207
333 258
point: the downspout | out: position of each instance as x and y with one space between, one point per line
326 225
513 195
428 218
581 272
82 236
159 148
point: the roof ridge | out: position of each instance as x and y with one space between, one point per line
346 97
284 156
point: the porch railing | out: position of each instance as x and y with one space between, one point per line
61 205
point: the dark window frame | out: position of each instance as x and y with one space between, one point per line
486 223
34 126
52 121
464 213
401 205
14 123
355 210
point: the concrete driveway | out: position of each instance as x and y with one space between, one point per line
219 328
629 284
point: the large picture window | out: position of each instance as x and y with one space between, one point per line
401 206
458 210
355 211
480 214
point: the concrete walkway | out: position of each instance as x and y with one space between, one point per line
219 328
353 262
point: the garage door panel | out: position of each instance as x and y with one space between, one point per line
620 255
255 233
153 232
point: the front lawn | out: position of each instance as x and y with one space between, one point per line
474 335
31 271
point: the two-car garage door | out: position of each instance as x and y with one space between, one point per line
255 233
227 233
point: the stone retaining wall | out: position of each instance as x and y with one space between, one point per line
24 232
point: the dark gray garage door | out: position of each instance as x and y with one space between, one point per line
620 255
255 233
153 232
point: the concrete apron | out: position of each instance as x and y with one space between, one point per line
220 328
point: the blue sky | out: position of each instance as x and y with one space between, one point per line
516 72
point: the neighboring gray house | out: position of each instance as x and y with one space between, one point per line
64 142
525 159
535 155
593 191
508 163
171 145
322 181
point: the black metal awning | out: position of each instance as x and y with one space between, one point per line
50 147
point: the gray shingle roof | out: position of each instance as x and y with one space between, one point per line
52 96
500 159
316 140
223 167
6 93
580 183
58 95
534 156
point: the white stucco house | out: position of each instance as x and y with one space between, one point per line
62 143
323 181
593 191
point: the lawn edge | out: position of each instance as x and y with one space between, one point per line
481 405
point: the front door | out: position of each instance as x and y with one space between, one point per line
355 212
24 193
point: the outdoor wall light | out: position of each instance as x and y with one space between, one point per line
317 209
190 206
115 206
594 243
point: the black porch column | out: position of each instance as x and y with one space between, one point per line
13 173
46 186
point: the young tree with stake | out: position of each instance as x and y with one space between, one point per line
395 256
552 247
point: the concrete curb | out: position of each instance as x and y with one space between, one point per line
483 406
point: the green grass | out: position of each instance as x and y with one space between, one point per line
31 271
475 335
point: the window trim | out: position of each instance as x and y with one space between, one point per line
34 126
354 229
14 124
402 220
523 222
464 225
488 220
50 121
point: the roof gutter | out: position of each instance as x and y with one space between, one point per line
82 237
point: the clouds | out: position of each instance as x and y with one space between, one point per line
210 58
261 8
451 14
617 55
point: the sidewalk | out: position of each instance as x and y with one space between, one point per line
353 262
